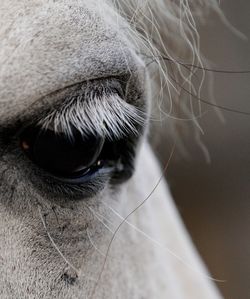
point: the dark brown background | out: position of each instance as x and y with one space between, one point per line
214 199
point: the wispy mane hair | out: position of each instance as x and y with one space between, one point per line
163 33
165 36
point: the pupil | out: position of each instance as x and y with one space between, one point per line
59 154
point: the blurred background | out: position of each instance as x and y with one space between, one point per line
214 199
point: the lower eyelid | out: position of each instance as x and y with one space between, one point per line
89 176
77 190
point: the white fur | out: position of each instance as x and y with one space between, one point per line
61 248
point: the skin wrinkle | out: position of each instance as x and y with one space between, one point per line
48 49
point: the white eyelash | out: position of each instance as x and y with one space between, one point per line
107 115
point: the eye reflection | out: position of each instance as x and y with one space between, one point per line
60 155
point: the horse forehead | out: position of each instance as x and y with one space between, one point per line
46 45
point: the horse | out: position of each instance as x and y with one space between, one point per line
85 211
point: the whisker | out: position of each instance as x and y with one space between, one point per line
98 218
127 217
159 244
92 243
54 244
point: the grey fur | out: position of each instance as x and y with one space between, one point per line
54 247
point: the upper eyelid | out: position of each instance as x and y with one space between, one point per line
56 101
37 109
54 97
40 106
83 108
110 117
48 101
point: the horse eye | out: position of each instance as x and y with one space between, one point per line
60 155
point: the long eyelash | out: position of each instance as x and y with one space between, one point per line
106 115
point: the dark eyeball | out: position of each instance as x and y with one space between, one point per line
60 155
